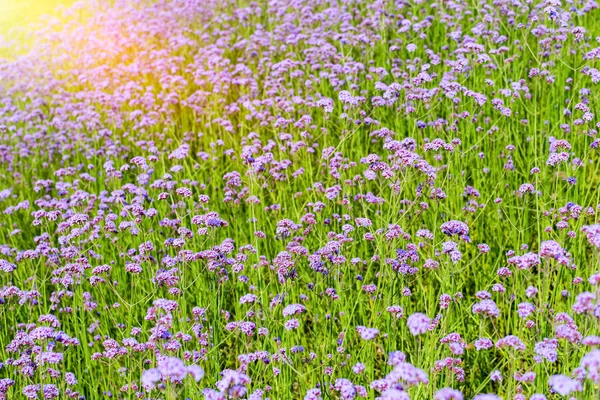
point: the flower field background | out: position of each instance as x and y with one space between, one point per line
302 199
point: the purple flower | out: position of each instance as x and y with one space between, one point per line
448 394
486 307
483 344
233 383
458 228
150 377
171 368
293 309
548 349
313 394
5 384
564 385
291 324
31 391
394 394
525 309
496 376
418 323
50 391
358 368
592 232
196 371
511 341
551 249
367 333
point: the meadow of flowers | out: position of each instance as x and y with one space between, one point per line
302 199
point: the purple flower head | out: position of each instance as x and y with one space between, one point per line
196 372
396 357
486 307
407 374
592 232
293 309
551 249
483 344
313 394
448 394
548 349
511 341
418 323
367 333
564 385
496 376
150 377
394 394
31 391
5 384
50 391
458 228
345 388
291 324
171 368
233 383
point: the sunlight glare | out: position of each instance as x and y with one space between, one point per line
20 13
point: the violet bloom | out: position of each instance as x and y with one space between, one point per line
233 383
458 228
211 394
525 309
345 388
486 307
552 249
313 394
592 232
407 375
50 392
293 309
511 341
196 372
5 383
31 391
394 394
564 385
591 341
496 376
591 364
396 357
548 349
150 377
358 368
291 324
367 333
483 344
531 291
418 323
171 368
448 394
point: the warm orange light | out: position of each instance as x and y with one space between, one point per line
21 13
19 18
